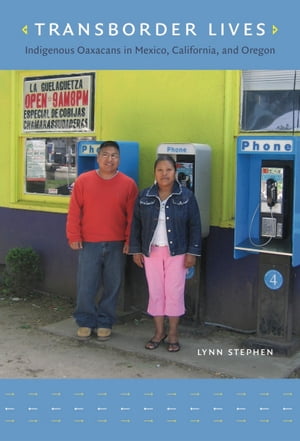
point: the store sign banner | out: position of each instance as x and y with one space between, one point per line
59 103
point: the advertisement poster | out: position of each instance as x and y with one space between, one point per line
35 161
188 73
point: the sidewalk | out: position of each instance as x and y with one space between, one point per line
213 350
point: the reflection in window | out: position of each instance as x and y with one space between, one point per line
50 165
271 100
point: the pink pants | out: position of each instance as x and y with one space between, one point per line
166 281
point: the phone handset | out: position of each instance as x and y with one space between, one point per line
271 192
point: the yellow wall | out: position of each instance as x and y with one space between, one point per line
149 107
7 148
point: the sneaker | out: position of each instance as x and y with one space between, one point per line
103 333
84 332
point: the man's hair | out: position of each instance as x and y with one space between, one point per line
108 144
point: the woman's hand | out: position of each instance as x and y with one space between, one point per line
139 260
189 260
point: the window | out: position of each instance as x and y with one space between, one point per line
53 104
50 165
271 100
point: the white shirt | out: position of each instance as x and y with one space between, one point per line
160 237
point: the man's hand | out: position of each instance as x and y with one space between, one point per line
76 245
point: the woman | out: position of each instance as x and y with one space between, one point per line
165 240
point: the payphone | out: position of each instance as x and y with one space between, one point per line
193 164
267 223
185 173
267 201
276 195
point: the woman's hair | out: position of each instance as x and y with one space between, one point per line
165 158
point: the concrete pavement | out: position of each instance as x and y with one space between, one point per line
210 349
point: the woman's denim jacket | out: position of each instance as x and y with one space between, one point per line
182 221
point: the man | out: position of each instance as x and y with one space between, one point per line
98 225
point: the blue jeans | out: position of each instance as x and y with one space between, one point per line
100 264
